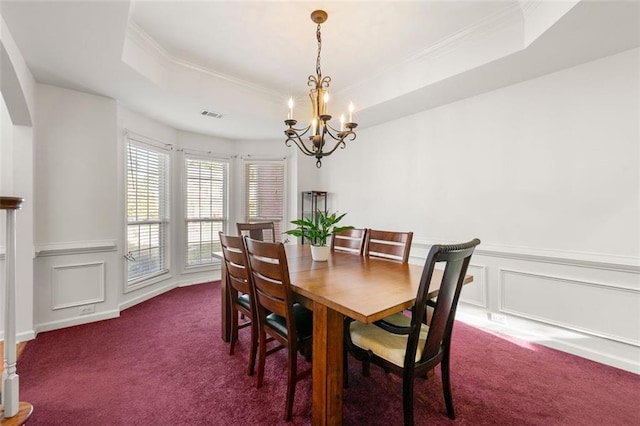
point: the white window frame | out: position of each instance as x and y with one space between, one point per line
223 220
164 150
245 200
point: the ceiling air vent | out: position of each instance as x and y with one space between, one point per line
212 114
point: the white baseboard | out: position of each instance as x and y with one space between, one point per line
78 320
626 357
156 291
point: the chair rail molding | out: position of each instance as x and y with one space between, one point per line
610 262
75 247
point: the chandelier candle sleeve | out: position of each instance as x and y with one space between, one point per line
319 139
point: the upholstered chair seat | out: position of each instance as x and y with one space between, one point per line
303 320
389 346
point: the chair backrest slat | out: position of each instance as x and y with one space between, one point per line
235 261
262 231
388 245
349 241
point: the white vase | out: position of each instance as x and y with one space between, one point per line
320 253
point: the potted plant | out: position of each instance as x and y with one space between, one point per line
317 231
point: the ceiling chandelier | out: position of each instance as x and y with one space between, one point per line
319 128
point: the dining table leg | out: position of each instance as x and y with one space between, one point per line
225 305
327 365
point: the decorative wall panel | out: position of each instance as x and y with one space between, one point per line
598 309
475 293
75 285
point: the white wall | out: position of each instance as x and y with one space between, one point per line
77 227
80 190
16 172
546 174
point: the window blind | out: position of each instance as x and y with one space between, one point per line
265 189
206 206
147 211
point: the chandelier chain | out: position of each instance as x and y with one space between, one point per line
319 37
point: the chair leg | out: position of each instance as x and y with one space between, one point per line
345 367
446 386
291 384
234 331
407 400
254 347
308 351
262 350
366 368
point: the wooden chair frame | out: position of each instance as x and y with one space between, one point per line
388 245
255 230
349 241
269 273
436 349
238 281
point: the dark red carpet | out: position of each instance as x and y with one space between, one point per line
163 362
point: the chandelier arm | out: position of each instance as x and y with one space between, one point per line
303 130
341 141
299 143
340 135
332 128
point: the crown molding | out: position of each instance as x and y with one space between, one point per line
147 43
528 7
472 34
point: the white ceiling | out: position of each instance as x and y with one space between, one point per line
171 59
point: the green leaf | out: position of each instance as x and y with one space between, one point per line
318 230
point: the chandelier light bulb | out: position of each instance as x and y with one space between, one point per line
290 108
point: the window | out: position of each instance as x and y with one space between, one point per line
206 207
265 193
147 211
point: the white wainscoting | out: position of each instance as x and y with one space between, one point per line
82 282
476 293
77 285
584 304
598 309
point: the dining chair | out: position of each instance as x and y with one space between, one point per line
289 323
403 344
240 293
349 241
388 245
262 231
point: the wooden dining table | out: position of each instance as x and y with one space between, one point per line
365 289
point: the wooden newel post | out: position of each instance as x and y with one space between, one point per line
10 383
